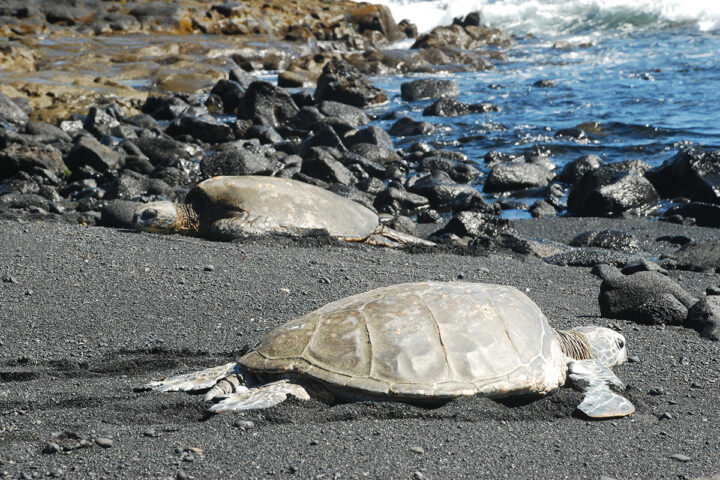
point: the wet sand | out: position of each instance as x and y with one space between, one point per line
89 313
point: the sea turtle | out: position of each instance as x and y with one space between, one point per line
419 342
228 207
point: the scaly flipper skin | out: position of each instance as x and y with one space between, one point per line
193 381
263 396
594 379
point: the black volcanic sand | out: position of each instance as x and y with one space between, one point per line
96 311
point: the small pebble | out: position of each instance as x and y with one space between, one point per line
181 475
28 292
104 442
51 448
696 385
712 291
9 279
293 469
461 276
325 280
313 442
195 450
209 268
656 391
58 472
633 359
419 450
244 424
665 416
680 457
417 475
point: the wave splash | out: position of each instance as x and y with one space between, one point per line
557 17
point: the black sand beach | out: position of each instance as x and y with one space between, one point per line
89 313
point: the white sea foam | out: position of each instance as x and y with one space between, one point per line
562 16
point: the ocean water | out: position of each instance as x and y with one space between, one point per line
640 77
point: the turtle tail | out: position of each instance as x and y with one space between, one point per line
230 384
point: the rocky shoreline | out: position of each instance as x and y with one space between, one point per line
620 241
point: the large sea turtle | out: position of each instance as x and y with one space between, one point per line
419 342
228 207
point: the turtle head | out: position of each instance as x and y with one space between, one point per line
158 217
606 345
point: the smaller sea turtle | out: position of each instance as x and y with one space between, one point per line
228 207
419 342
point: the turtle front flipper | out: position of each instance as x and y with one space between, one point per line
248 225
387 237
193 381
594 379
263 396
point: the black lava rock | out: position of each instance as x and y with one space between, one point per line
237 161
693 174
204 129
510 176
320 164
266 104
406 127
428 88
89 152
448 107
611 239
341 82
11 113
699 256
645 297
704 317
703 214
605 192
574 171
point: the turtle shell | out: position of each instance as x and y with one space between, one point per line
292 204
419 340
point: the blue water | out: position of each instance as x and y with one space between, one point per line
644 88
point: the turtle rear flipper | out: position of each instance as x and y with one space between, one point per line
263 396
387 237
595 379
193 381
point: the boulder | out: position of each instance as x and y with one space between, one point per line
574 171
373 135
449 107
407 127
162 151
479 226
341 82
645 297
237 161
610 239
11 113
89 152
131 185
266 104
205 129
118 213
428 88
394 199
605 192
230 93
320 164
704 317
354 116
29 158
445 194
693 174
703 214
377 18
510 176
699 256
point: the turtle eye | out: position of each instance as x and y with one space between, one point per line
149 214
620 343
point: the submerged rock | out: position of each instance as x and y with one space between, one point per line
448 107
428 88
